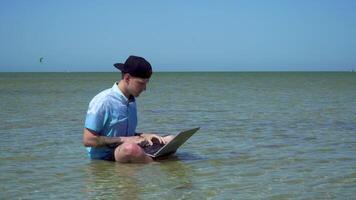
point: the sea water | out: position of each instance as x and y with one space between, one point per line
263 135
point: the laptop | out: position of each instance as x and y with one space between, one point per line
158 150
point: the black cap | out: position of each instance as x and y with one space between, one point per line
135 66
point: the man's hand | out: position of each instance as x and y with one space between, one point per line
153 138
142 141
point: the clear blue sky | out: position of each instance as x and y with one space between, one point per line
250 35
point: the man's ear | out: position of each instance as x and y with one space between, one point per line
126 78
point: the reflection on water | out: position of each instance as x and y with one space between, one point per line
168 179
108 179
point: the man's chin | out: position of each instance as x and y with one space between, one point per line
137 95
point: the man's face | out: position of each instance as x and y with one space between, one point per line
137 85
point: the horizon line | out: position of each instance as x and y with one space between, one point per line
193 71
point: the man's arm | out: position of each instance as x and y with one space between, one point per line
92 139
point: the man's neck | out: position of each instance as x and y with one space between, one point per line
122 88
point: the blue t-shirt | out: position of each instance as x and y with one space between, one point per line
111 114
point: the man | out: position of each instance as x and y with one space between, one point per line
111 120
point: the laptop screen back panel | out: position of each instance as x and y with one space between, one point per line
176 142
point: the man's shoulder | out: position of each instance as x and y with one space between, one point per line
101 98
107 97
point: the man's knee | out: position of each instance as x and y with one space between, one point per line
131 150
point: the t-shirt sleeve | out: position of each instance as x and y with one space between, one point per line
96 117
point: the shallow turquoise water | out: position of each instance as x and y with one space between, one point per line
263 136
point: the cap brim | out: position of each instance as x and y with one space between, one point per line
119 66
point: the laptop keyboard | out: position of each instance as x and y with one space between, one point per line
153 148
